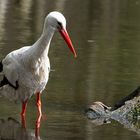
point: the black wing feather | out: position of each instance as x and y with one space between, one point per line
6 82
1 66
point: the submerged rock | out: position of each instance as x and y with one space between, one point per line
97 110
126 111
128 107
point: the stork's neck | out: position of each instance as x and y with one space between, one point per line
42 45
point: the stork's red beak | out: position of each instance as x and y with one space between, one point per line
66 37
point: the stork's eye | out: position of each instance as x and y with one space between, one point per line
60 24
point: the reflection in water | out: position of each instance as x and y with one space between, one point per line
131 125
25 6
106 35
3 10
11 129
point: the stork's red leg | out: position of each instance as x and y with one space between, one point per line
37 126
23 112
39 109
39 103
24 106
39 113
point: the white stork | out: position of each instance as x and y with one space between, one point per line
26 70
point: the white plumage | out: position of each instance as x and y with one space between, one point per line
26 70
30 73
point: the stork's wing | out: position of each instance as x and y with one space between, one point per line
12 65
10 70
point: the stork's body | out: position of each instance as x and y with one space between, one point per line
26 70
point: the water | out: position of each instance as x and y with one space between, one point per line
106 35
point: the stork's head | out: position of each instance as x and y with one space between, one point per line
58 22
